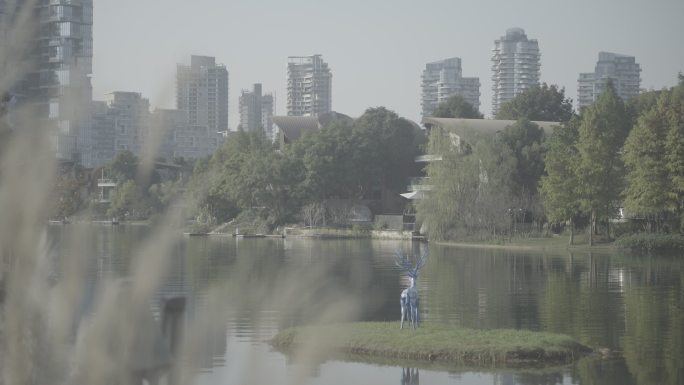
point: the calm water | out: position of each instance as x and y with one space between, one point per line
631 304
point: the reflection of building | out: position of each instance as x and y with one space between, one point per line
443 79
309 86
256 111
622 70
515 66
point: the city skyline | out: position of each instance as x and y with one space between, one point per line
378 59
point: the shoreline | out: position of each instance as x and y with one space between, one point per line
528 247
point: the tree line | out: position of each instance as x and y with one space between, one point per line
609 156
346 161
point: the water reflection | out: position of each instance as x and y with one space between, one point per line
410 376
631 305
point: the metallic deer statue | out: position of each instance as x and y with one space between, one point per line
409 297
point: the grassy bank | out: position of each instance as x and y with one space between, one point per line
436 343
560 242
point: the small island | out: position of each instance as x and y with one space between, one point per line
437 343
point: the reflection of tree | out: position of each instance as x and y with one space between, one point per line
654 343
541 378
597 371
483 288
410 376
579 302
559 303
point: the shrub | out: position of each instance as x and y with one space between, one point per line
651 242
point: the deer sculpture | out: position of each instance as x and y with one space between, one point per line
409 297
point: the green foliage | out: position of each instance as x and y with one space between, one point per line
245 173
656 242
542 103
70 187
472 189
526 141
640 104
129 202
456 107
559 186
644 157
384 150
327 159
674 151
434 342
124 167
600 170
342 161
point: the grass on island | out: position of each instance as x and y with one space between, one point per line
435 343
554 242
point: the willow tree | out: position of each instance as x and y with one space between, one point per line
454 181
600 170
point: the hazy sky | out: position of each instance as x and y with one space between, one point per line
376 49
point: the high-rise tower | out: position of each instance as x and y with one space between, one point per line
515 66
202 93
49 50
309 86
256 111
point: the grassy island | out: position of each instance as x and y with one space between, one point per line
436 343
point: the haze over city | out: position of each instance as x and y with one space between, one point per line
376 50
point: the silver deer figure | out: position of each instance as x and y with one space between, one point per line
409 297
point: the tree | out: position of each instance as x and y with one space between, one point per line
526 139
559 186
124 167
129 201
326 158
384 147
646 169
454 180
456 107
542 103
640 104
674 151
600 170
471 194
71 182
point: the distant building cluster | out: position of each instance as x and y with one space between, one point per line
516 67
195 129
57 85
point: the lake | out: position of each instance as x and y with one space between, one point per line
632 305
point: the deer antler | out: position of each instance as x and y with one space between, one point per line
402 261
